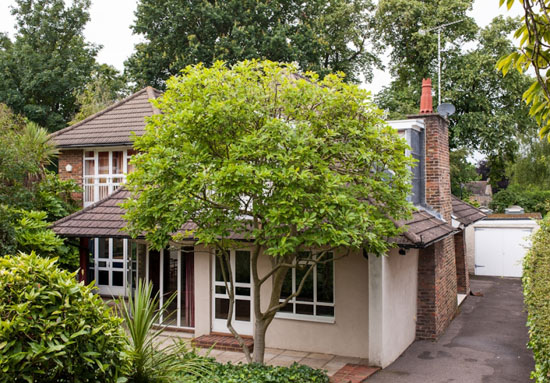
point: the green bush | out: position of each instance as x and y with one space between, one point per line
536 289
54 329
259 373
532 200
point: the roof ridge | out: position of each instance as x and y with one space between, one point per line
100 113
89 207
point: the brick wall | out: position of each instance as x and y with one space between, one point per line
436 300
462 276
74 158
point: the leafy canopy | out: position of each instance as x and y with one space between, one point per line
320 35
47 60
258 150
533 52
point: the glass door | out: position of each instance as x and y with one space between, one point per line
110 266
242 311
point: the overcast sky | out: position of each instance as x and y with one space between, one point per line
111 20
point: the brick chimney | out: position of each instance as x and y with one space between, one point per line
437 279
438 174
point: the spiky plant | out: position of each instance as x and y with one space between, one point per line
151 362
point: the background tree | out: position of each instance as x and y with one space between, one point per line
31 197
286 161
490 116
320 35
462 172
105 87
47 61
413 52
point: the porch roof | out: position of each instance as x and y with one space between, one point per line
104 219
111 126
465 213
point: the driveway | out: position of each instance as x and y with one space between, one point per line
485 343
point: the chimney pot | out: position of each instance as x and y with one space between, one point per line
426 105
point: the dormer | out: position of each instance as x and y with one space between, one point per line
96 151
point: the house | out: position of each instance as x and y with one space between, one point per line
360 306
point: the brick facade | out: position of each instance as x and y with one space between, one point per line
437 276
73 158
462 276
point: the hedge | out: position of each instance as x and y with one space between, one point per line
54 329
259 373
536 289
531 200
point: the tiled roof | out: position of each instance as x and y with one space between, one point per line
111 126
465 213
104 219
514 216
423 230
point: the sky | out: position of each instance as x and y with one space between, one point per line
111 19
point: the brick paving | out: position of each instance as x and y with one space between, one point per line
353 373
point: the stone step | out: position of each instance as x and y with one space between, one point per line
222 342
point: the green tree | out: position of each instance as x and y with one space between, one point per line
287 161
532 165
322 36
490 117
47 61
30 195
462 172
402 26
105 88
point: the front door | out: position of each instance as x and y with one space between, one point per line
242 311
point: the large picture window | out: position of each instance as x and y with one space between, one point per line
316 300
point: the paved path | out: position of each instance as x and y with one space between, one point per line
484 344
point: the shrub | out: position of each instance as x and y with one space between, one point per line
536 289
259 373
54 329
532 200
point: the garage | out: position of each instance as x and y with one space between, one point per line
501 242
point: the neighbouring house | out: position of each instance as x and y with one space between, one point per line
482 192
360 306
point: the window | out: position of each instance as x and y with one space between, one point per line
104 172
316 300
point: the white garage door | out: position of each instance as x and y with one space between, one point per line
500 251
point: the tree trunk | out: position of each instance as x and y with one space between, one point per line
260 328
262 322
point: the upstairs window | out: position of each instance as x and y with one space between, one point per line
104 172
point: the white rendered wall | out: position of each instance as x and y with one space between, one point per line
393 284
348 335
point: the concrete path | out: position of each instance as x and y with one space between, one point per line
486 343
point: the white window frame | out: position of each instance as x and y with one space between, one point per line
161 284
94 185
314 303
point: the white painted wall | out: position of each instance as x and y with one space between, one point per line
393 285
203 316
